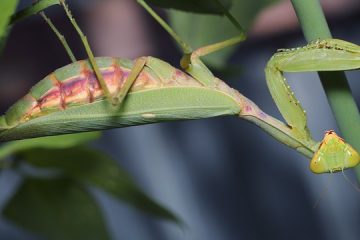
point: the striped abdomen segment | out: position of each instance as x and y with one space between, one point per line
68 86
76 84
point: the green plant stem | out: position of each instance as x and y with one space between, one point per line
342 103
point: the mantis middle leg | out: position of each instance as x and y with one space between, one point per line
191 61
135 71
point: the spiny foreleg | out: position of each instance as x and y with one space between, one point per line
324 55
333 154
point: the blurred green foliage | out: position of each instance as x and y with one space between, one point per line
63 141
7 7
57 208
95 168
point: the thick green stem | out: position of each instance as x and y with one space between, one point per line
336 87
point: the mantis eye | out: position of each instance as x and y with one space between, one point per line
317 164
354 158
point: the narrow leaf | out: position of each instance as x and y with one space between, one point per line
34 9
7 9
95 168
56 209
198 6
143 107
62 141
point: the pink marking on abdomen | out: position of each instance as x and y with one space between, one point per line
76 90
84 88
51 99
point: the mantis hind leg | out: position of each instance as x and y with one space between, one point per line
193 65
88 50
134 73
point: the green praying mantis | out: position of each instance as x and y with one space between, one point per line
107 92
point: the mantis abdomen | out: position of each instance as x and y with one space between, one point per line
71 85
76 84
71 99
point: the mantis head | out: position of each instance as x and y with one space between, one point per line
333 155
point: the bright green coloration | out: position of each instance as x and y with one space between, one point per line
34 9
160 92
7 9
324 55
334 155
52 142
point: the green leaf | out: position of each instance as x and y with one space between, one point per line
198 6
62 141
34 9
56 209
7 8
164 104
95 168
198 29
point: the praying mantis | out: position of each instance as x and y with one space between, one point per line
107 92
